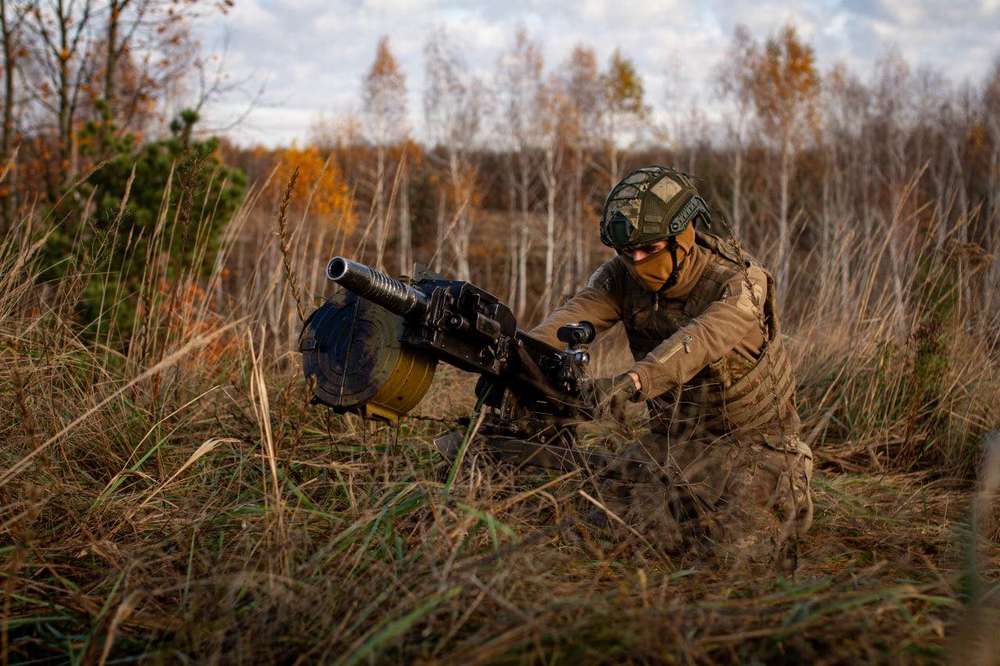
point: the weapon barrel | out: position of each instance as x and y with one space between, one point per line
376 286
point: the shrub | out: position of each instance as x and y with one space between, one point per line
164 205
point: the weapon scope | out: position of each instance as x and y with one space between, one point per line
576 335
376 286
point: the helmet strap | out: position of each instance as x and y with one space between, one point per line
672 245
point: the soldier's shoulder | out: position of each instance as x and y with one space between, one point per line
609 276
726 275
721 248
747 290
729 259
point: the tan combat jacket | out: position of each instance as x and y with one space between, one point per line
707 351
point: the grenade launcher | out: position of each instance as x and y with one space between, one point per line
374 352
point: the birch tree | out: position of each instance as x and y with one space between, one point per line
846 102
453 112
624 109
581 87
384 96
785 88
519 88
556 117
734 78
62 31
11 17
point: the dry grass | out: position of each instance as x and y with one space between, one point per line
181 501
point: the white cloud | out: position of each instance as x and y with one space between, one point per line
399 6
313 53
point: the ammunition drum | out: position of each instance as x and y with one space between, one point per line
353 354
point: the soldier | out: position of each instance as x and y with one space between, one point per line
729 469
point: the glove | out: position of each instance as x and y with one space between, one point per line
609 393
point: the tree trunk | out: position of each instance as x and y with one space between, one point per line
522 248
737 190
551 169
963 199
380 221
111 57
580 268
784 179
8 118
522 270
67 140
512 243
405 239
441 222
462 230
612 163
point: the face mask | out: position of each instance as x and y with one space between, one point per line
654 271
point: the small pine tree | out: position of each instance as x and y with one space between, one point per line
178 202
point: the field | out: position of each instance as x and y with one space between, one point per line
182 502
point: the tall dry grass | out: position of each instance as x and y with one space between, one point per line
178 499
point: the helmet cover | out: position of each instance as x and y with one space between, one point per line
650 204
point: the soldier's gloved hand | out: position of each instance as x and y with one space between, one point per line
610 393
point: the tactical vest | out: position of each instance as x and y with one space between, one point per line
752 400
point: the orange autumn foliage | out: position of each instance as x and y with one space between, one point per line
182 308
785 83
319 180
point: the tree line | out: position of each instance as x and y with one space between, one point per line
802 162
503 180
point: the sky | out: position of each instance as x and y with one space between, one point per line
309 56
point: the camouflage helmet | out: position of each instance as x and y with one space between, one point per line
650 204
